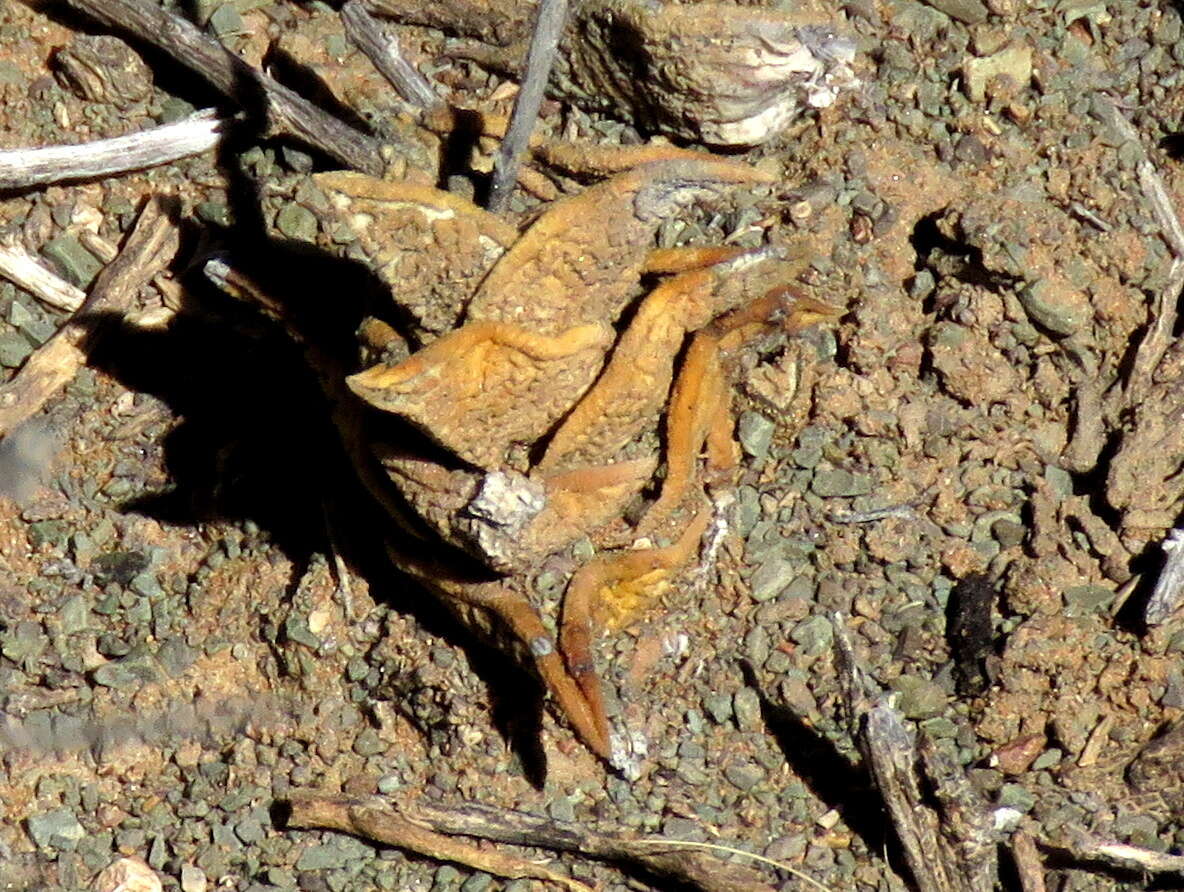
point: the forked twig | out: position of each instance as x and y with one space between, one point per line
148 249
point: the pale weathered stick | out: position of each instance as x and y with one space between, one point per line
23 269
1165 598
677 859
286 113
544 43
382 49
135 151
673 858
376 819
148 249
1122 855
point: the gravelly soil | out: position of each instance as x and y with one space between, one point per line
194 620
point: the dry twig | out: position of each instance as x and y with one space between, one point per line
544 44
950 847
428 829
23 269
378 820
148 249
20 168
1122 855
286 113
382 49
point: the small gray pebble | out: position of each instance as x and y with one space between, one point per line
919 697
757 645
193 879
14 349
719 707
747 706
58 828
771 577
297 222
836 482
478 882
744 775
814 634
755 433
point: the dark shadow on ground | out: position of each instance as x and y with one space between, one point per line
831 776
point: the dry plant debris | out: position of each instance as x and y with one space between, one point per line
993 193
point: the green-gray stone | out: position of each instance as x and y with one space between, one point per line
389 783
47 532
175 656
225 22
249 830
1017 797
478 882
216 213
173 109
11 74
1041 301
836 482
745 776
25 641
131 671
76 264
58 828
14 349
770 578
339 852
74 615
19 315
755 433
368 743
146 584
919 697
297 222
296 628
746 703
1085 599
814 635
719 707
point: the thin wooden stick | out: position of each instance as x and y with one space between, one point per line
193 135
148 249
543 45
677 859
285 112
375 819
23 269
382 49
